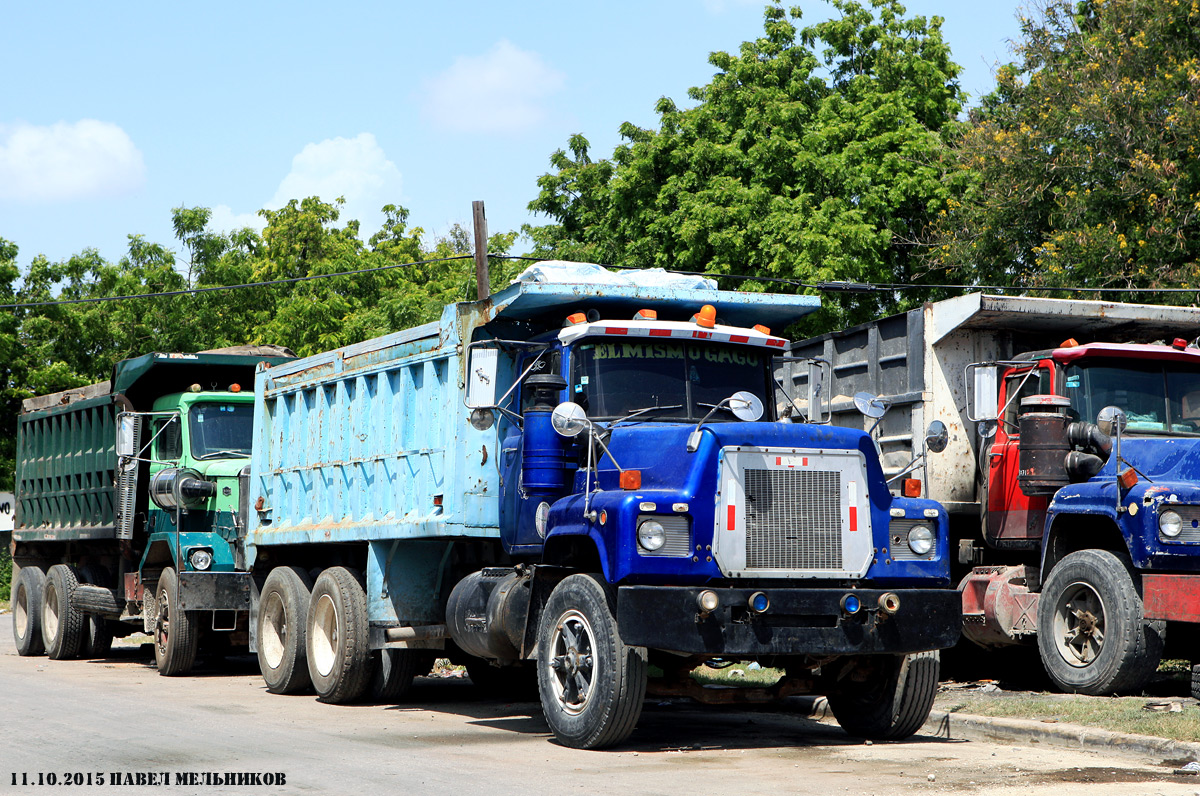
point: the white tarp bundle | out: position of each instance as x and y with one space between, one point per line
563 272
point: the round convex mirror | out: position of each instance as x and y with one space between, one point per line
746 406
569 419
937 437
870 405
482 419
1111 419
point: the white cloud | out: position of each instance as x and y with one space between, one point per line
223 219
356 169
503 90
86 159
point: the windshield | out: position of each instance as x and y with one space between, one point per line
1158 397
613 378
220 430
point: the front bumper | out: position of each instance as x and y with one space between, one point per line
214 591
797 622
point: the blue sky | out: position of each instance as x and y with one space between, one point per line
112 114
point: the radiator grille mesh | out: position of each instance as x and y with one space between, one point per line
793 519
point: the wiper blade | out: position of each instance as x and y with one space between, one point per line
643 411
233 454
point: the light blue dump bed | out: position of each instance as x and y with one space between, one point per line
364 442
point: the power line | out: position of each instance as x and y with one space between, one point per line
215 288
823 287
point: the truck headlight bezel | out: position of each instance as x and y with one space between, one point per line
920 539
651 535
1170 524
200 559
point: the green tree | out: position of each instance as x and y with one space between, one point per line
1082 163
813 155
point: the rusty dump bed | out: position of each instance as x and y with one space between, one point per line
917 360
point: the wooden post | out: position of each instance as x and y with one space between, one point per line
483 287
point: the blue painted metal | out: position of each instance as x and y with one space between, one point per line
1170 468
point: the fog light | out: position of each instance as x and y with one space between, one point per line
759 602
651 535
1170 524
200 559
851 604
708 601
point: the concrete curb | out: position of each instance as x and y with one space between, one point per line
965 726
1071 736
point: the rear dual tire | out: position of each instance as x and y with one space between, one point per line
27 592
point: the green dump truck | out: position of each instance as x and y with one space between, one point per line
130 510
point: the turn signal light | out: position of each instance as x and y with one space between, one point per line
631 479
646 315
1179 344
912 487
575 318
1070 342
706 317
758 327
235 388
1128 479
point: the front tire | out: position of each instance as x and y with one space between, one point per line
63 625
175 637
339 655
27 592
591 684
1092 636
887 700
282 620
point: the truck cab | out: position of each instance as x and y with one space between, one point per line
649 455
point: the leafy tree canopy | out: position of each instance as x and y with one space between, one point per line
44 349
1082 164
812 155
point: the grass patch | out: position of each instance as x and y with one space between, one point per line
739 674
1119 714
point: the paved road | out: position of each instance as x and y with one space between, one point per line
118 715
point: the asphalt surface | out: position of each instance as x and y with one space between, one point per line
117 718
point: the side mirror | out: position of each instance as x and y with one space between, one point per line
1111 420
569 419
129 434
871 405
986 392
746 406
482 366
937 437
816 390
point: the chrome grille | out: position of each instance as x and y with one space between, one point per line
793 519
678 532
1191 523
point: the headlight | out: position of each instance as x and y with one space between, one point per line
920 539
200 559
651 535
1170 524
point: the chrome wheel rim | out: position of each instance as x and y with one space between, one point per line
574 667
1079 625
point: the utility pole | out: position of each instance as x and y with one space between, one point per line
483 287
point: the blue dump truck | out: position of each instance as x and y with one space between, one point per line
597 489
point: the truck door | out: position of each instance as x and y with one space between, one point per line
1013 519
